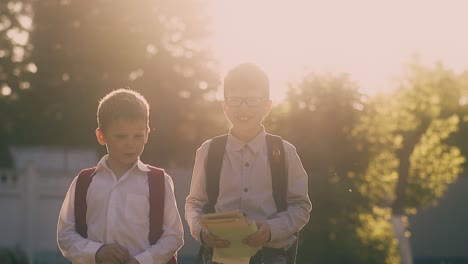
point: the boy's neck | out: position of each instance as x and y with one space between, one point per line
118 169
246 135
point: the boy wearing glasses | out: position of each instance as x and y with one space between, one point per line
245 177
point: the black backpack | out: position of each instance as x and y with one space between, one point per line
279 179
156 199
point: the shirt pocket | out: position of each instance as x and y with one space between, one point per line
137 208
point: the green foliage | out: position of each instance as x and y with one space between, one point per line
435 165
15 48
355 150
16 67
379 182
84 49
458 138
376 236
12 256
318 117
418 119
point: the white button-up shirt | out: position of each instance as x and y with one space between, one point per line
118 212
245 184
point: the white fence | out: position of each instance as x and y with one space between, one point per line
30 201
31 196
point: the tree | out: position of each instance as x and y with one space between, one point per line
345 227
15 67
84 49
458 138
411 163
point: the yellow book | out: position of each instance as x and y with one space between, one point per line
234 227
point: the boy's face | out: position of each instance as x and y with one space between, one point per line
245 108
125 140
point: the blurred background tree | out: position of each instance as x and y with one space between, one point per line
371 160
411 162
16 68
318 116
83 50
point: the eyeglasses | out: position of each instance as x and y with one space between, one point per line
249 101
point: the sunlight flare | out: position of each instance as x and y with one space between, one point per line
372 41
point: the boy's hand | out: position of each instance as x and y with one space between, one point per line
113 253
213 241
132 261
261 237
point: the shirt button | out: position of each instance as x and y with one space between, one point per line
246 164
246 189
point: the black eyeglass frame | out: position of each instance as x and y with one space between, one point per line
250 101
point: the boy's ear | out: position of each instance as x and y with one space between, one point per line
148 131
268 107
224 105
100 136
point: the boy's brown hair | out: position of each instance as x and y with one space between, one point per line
122 104
247 75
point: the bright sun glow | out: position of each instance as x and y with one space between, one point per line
371 40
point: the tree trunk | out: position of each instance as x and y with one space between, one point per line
411 139
404 246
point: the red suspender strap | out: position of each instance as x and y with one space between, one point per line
279 177
81 190
156 198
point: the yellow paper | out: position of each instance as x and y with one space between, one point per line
234 227
223 215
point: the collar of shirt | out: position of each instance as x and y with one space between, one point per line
255 144
138 164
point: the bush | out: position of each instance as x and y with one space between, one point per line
13 256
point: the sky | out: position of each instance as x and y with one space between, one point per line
373 41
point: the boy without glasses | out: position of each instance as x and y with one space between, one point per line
121 211
246 178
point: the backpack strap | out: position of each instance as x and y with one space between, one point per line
276 159
156 187
279 179
156 200
213 170
213 166
81 190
